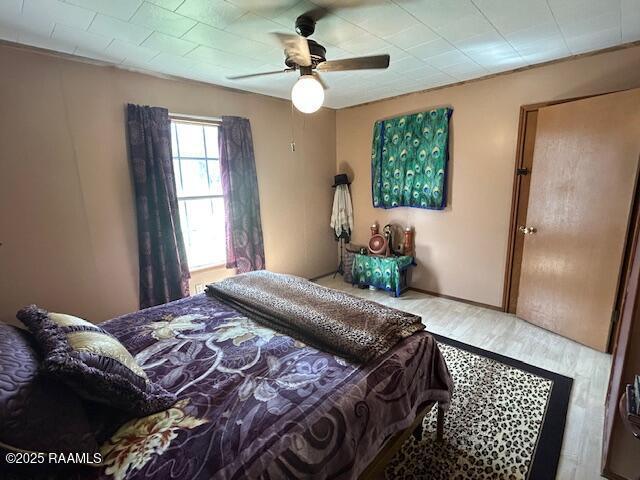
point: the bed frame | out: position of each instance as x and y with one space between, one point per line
377 467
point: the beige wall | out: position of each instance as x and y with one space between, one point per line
462 251
67 228
67 223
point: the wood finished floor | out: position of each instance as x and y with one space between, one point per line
507 335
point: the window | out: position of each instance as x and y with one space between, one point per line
196 163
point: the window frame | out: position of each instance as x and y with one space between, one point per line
175 156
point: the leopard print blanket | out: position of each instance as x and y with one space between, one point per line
332 321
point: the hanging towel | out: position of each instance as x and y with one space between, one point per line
342 213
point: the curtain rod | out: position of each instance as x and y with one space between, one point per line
195 118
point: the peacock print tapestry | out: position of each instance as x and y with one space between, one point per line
409 160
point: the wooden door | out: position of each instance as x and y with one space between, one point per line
582 183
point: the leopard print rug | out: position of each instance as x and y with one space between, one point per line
491 429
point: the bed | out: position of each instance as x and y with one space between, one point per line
255 403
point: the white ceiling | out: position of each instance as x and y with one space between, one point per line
431 42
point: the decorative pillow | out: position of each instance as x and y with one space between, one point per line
93 362
37 414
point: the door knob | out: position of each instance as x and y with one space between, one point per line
527 230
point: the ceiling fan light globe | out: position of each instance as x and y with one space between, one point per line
307 94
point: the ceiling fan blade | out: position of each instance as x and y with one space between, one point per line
251 75
317 13
320 80
359 63
295 48
274 8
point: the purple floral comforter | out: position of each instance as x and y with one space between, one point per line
257 404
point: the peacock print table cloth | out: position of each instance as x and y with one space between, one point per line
381 272
409 159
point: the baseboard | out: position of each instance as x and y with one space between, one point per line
434 294
610 475
457 299
313 279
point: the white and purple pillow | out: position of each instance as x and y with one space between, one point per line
93 363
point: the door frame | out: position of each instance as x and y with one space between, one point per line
516 207
515 204
623 335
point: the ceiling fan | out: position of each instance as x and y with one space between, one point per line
307 56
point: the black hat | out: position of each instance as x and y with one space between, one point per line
341 179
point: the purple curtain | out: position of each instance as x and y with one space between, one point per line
245 247
164 273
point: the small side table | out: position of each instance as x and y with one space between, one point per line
386 273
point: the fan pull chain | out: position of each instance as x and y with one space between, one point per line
292 144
